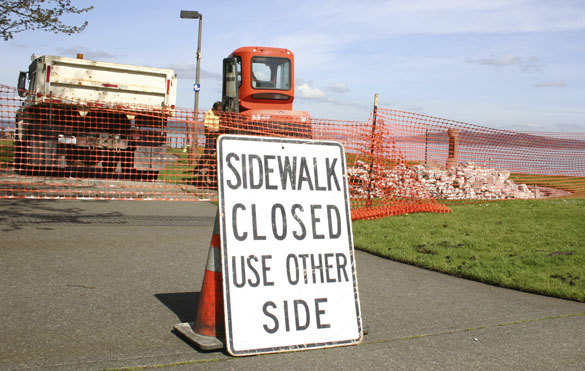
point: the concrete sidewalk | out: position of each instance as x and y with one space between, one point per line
88 285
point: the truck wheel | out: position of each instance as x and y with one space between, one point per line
127 164
147 175
109 167
19 162
110 163
17 155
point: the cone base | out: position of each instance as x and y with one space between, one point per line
201 341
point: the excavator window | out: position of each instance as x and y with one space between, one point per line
271 73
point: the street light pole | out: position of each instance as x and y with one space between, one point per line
198 73
191 14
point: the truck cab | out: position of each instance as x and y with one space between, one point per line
258 85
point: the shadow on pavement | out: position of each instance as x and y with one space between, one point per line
183 304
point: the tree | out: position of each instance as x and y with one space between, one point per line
21 15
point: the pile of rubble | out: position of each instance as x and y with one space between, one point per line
469 181
466 181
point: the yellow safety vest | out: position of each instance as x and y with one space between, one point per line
211 121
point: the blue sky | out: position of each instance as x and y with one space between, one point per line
507 64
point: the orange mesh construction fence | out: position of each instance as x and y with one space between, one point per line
458 161
397 162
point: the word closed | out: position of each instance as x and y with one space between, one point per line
311 221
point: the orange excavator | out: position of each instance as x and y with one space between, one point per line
258 87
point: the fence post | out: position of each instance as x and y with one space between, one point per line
426 144
453 135
372 150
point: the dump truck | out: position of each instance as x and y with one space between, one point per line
258 85
96 117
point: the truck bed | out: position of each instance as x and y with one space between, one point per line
111 84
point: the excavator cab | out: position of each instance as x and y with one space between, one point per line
264 78
258 84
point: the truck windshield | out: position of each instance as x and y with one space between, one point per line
271 73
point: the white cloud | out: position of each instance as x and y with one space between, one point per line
552 84
305 90
338 87
450 16
506 60
574 127
87 54
529 65
187 71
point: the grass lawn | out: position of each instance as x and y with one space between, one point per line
180 171
530 245
6 153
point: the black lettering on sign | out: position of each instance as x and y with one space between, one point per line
265 269
331 174
251 171
244 173
303 232
314 221
306 315
333 208
274 328
253 270
235 272
281 215
231 166
286 316
297 308
325 222
257 237
316 175
324 268
237 235
255 165
305 271
319 312
290 270
249 264
288 172
267 171
317 267
341 260
328 267
304 175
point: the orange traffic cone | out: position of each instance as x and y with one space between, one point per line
208 331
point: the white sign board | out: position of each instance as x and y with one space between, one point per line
289 278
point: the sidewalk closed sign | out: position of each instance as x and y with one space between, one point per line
289 278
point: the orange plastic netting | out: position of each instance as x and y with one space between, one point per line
397 162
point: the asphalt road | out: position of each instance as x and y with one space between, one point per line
89 285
